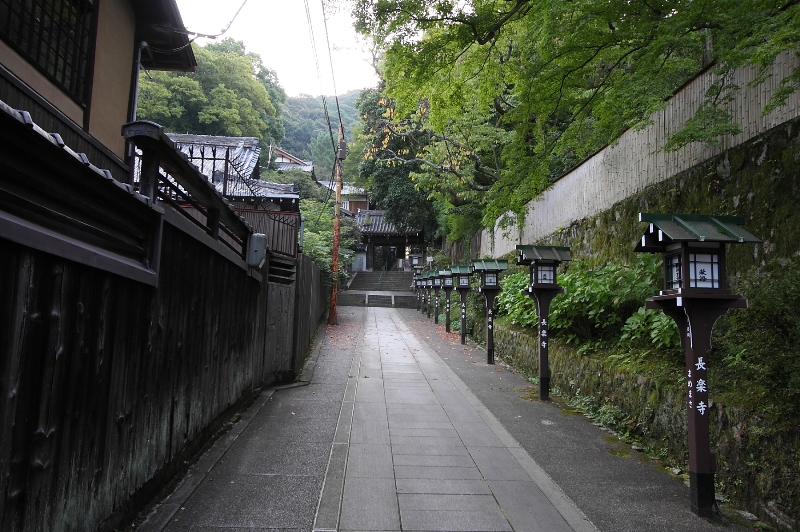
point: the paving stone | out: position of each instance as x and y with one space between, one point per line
369 504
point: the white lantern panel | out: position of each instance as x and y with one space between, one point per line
448 281
545 274
673 280
704 270
463 280
437 282
490 279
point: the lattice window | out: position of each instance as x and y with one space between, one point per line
55 36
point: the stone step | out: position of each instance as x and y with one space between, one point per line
379 301
345 299
390 282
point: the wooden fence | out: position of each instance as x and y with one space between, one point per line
638 159
107 381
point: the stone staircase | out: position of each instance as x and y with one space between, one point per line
393 281
370 289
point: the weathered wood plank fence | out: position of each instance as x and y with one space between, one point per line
107 380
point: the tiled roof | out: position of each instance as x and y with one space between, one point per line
207 152
259 189
374 223
283 167
347 190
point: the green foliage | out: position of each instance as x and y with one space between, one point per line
323 153
511 302
604 304
391 182
304 117
232 93
598 302
318 238
650 327
759 344
511 95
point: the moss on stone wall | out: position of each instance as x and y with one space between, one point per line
758 463
759 180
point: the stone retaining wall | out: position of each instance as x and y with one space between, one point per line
757 462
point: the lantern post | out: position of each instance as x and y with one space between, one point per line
489 271
543 262
418 290
695 295
461 275
428 291
437 286
447 286
423 277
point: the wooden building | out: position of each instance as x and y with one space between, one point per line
232 165
382 243
130 329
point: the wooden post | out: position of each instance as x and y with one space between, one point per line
489 296
463 294
148 176
447 292
436 305
543 297
695 320
333 318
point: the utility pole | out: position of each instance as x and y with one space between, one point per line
341 153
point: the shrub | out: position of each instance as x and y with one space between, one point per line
760 345
598 302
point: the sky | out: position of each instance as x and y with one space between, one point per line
278 31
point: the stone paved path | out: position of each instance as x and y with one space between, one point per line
422 453
399 427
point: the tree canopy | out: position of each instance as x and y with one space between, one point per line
509 95
232 93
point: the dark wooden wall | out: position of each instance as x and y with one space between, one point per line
105 380
313 293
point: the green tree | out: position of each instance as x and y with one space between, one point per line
513 94
318 238
322 152
231 93
305 119
391 181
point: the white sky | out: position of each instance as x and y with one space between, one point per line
278 31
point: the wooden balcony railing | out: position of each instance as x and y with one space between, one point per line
165 173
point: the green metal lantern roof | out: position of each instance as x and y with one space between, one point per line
528 254
666 229
444 273
461 270
490 265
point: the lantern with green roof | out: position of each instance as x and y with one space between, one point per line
489 270
695 294
543 262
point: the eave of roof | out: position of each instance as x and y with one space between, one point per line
374 223
490 265
159 24
668 228
545 253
